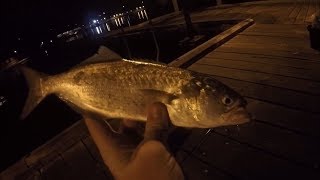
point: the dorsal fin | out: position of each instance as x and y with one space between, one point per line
104 54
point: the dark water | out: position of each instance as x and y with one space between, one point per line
18 138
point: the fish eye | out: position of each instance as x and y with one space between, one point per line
227 101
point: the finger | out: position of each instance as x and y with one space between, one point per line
114 156
157 122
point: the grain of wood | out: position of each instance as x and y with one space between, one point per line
303 13
262 67
290 83
59 144
312 9
247 162
266 93
195 169
281 62
293 15
309 57
286 144
293 120
82 165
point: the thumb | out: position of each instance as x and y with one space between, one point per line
157 122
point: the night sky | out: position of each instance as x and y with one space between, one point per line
37 18
23 14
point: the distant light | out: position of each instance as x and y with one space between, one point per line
98 30
108 28
145 13
116 22
15 51
104 18
103 13
19 39
51 41
123 6
122 20
94 21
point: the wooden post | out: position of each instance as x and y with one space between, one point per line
175 5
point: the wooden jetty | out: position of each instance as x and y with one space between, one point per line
271 64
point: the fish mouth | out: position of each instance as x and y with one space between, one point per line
237 115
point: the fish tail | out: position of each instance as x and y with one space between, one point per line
36 94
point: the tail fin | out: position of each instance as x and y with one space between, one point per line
36 94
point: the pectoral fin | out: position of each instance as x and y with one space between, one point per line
159 96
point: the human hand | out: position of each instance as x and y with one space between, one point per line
147 160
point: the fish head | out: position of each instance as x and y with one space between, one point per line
213 104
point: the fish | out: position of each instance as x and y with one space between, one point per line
108 86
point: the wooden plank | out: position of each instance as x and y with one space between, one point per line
196 138
285 17
289 83
269 43
59 144
258 8
82 165
311 11
15 170
265 59
293 15
95 154
303 13
264 68
269 52
267 15
57 169
278 28
30 174
211 43
285 144
294 50
300 122
240 12
209 13
275 34
194 169
92 148
246 162
282 13
280 96
288 31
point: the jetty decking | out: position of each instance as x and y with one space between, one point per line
271 64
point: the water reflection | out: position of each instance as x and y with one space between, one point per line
103 24
2 100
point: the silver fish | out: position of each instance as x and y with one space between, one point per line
124 88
